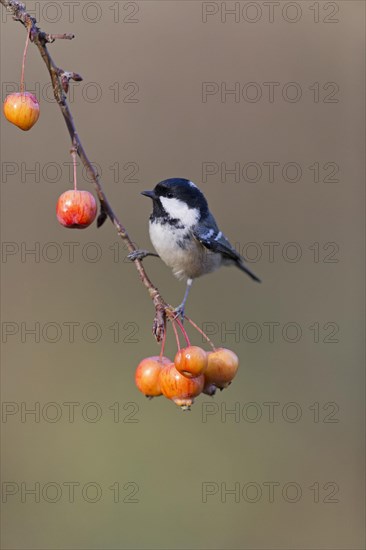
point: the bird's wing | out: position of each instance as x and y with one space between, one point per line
209 235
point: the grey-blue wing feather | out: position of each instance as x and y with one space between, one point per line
209 235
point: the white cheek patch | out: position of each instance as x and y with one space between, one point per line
179 210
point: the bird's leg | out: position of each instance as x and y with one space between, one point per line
180 309
140 255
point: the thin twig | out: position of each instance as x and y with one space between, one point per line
180 325
162 349
52 37
23 63
73 155
176 334
59 79
200 331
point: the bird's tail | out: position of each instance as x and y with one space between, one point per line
244 268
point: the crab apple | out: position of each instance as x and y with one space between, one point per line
76 209
147 375
209 389
191 361
179 388
21 109
221 369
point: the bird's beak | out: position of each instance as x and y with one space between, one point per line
150 194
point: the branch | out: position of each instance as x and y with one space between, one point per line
60 83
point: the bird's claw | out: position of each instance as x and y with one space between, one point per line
138 255
179 312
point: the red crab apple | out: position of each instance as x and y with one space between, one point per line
191 361
178 388
147 375
21 109
76 209
221 369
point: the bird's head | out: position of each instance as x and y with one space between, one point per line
178 199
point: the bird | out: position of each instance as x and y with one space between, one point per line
185 234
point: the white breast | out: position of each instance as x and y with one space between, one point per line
189 262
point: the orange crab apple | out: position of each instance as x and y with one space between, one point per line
21 109
76 209
147 375
180 389
221 369
191 361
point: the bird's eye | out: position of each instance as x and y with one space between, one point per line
169 195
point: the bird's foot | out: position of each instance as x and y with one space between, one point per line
139 255
179 312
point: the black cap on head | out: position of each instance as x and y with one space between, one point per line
184 190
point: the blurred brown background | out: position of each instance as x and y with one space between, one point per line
292 452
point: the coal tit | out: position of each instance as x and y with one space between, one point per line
185 234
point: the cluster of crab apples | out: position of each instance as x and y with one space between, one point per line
193 371
75 209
